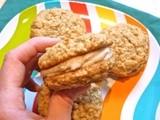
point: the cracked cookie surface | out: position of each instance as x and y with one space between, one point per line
58 22
79 77
67 49
130 49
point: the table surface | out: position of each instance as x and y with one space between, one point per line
149 6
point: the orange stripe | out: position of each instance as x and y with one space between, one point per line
132 21
117 95
106 15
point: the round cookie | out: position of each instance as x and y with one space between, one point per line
130 49
58 22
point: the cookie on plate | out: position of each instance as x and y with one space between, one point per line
57 22
130 49
88 106
75 62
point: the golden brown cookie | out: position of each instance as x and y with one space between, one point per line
77 62
43 100
67 49
58 22
88 106
80 77
130 49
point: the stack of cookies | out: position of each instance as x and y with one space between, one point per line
82 58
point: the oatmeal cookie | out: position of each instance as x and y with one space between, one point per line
57 22
130 49
88 106
80 77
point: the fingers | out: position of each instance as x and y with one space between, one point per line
33 64
28 81
81 90
29 49
59 108
32 86
14 66
61 103
74 92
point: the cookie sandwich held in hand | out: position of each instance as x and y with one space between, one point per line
120 50
76 62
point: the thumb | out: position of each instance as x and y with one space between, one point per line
60 107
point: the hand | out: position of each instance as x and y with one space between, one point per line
15 74
62 101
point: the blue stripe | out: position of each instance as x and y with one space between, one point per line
52 4
148 103
34 73
24 90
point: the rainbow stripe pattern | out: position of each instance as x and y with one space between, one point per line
132 98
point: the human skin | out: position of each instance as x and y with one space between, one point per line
15 75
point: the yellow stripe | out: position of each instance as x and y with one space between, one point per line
104 25
107 16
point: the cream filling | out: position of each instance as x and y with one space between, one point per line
78 62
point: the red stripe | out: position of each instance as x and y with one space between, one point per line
79 8
88 24
35 108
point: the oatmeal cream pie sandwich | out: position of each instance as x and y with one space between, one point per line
76 62
130 49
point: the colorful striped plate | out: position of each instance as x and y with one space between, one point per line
133 98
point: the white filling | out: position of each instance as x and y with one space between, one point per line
99 56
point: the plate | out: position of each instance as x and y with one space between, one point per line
132 98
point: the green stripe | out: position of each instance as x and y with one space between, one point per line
22 31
